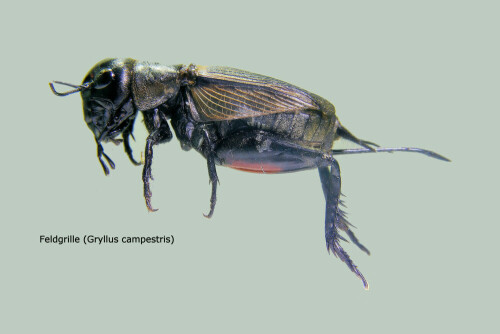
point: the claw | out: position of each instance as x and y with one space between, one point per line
213 198
150 207
147 197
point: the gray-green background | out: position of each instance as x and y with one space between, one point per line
419 73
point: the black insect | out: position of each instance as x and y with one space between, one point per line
232 117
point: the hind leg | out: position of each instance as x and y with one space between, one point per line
330 180
262 152
342 222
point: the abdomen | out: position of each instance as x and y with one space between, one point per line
308 128
276 143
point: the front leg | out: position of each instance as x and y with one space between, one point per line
159 132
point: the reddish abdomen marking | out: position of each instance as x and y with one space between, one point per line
255 167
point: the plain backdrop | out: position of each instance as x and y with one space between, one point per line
400 73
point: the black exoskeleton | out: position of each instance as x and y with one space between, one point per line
232 117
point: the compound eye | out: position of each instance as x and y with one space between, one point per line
104 79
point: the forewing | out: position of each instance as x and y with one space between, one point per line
223 93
